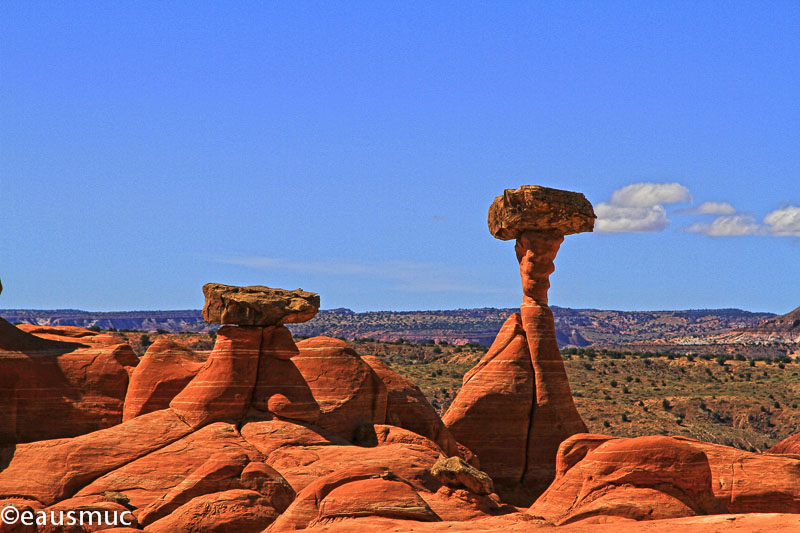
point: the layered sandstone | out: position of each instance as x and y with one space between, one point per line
656 477
515 406
60 381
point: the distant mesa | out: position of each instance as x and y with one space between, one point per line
257 305
788 323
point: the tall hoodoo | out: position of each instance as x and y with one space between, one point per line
538 218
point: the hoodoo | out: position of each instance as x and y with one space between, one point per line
515 406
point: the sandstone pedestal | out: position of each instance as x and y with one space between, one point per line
516 406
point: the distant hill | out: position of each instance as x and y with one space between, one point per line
574 327
775 336
171 321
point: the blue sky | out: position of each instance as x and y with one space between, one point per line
353 149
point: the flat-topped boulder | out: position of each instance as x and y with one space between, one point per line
536 208
257 305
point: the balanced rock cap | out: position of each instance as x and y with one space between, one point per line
536 208
257 305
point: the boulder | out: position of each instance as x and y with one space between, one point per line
257 305
456 473
536 208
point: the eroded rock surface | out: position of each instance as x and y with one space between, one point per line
656 477
536 208
60 381
257 305
515 406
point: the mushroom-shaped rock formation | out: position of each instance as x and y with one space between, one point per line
257 305
249 373
520 406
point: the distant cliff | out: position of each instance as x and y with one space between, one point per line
574 327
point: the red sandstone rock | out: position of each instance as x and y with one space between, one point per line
280 388
220 472
162 373
657 477
223 388
789 445
347 390
407 407
257 305
237 510
74 382
353 492
538 396
268 436
491 413
97 512
737 523
386 434
301 465
151 477
52 470
554 416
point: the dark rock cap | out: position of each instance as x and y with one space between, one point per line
257 305
536 208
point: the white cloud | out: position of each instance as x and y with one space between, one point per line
650 194
784 222
617 219
710 208
728 226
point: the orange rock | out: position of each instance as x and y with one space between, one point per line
280 388
354 491
491 413
74 382
218 473
268 436
223 388
162 373
407 407
151 477
348 391
239 510
301 465
97 512
554 416
658 477
52 470
386 434
789 445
